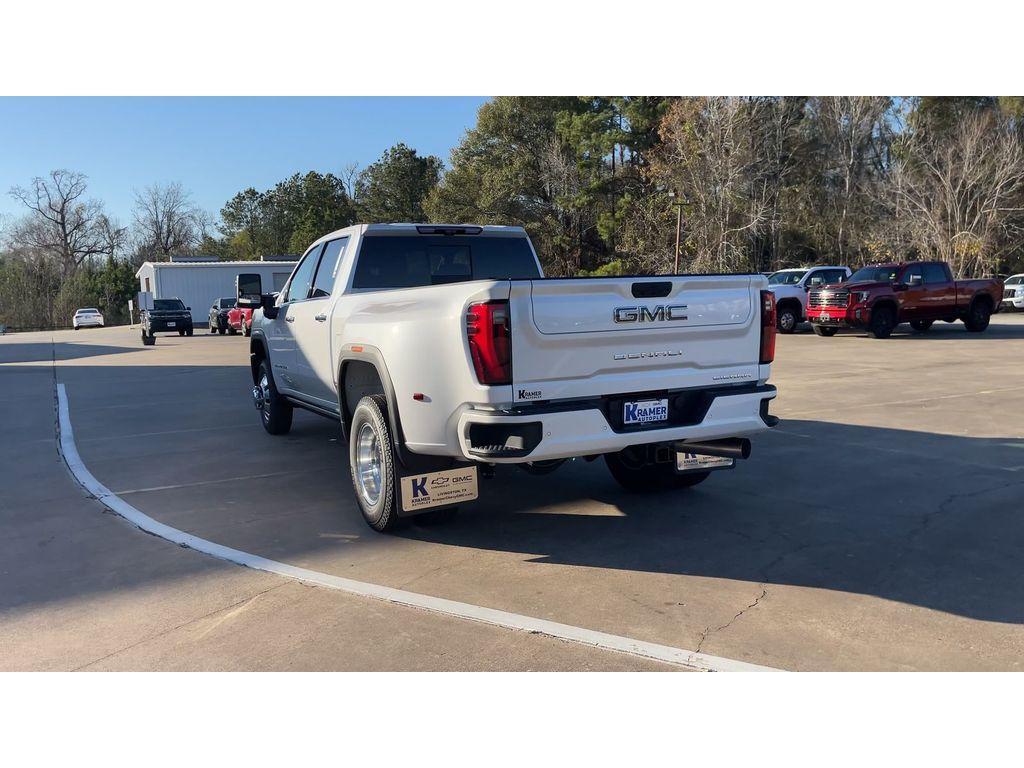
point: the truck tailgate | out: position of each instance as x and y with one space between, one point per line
590 337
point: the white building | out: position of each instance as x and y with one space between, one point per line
200 283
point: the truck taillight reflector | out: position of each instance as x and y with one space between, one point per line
490 341
768 320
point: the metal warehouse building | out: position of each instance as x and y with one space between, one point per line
200 282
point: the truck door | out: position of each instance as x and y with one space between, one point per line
941 291
913 301
314 359
281 330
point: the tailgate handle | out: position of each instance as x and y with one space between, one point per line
652 290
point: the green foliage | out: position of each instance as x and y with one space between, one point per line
393 188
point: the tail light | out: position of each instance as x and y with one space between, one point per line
768 331
490 342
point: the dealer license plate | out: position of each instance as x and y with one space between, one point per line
645 411
698 462
171 325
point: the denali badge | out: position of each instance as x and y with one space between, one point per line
660 313
642 355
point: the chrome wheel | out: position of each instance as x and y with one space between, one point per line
787 321
262 396
368 465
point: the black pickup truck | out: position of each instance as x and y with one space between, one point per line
167 315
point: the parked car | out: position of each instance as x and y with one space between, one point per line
1013 292
240 320
87 318
879 297
167 315
219 315
442 350
790 287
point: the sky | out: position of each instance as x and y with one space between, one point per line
214 146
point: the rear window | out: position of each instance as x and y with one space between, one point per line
417 260
227 303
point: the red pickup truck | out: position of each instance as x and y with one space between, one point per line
240 319
879 297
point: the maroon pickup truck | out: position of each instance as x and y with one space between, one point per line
879 297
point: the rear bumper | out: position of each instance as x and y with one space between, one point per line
543 434
88 323
161 325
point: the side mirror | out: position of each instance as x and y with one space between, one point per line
248 289
189 308
268 302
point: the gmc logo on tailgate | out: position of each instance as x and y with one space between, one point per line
660 313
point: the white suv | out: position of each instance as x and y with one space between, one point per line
790 287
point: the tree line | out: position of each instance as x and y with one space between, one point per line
604 185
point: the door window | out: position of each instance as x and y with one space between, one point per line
302 277
323 283
913 276
934 273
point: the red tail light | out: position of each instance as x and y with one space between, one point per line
490 341
768 331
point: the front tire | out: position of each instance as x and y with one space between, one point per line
636 475
883 321
220 331
824 330
373 464
275 412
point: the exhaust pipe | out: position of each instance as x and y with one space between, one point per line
732 448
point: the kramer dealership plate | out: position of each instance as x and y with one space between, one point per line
645 411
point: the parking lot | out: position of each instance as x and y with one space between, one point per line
878 527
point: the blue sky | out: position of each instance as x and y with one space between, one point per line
214 146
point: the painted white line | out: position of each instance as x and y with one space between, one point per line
515 621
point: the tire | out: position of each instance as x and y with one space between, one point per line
788 319
220 331
883 321
246 330
921 326
181 331
213 328
978 316
373 464
824 330
636 476
76 327
148 339
189 331
231 331
275 412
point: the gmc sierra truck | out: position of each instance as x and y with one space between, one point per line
791 287
443 350
879 297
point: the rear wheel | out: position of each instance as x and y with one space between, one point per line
231 330
883 321
213 328
275 411
373 464
788 319
220 331
636 474
921 326
189 331
181 332
978 316
824 330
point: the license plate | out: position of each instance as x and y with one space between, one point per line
698 462
645 411
435 489
825 316
170 325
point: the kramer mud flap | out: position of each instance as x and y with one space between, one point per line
438 489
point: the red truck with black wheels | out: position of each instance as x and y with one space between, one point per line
879 297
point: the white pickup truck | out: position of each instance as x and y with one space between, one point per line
443 350
791 287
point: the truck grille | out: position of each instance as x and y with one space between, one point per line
828 298
1010 293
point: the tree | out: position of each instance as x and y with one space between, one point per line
166 221
394 188
62 224
244 214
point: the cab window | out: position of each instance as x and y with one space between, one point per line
934 273
326 273
302 277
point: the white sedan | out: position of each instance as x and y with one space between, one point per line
87 317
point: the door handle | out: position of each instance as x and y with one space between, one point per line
320 318
289 318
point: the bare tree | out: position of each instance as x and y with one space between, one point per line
962 192
166 221
61 223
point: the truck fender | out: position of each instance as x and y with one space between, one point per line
371 355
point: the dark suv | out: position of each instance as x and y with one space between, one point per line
167 315
219 316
